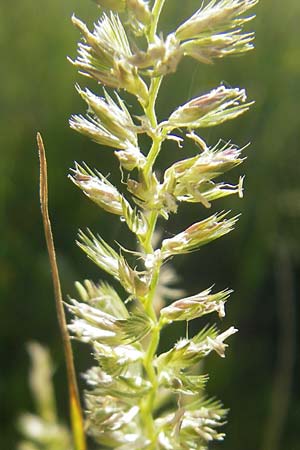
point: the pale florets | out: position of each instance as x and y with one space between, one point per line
139 398
132 379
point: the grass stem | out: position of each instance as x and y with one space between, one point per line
75 408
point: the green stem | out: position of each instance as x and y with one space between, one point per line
150 113
151 228
156 10
147 403
150 109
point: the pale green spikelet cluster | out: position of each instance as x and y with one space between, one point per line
139 398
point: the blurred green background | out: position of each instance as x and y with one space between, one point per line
258 380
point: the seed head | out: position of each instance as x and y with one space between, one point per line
108 122
198 234
210 109
190 308
131 158
217 16
105 54
98 189
214 31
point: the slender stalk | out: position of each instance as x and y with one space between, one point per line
150 113
152 155
157 7
148 402
147 245
75 408
153 92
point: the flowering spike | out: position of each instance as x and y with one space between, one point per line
160 58
180 383
211 109
131 158
198 234
93 324
135 392
98 189
135 219
136 327
196 306
102 296
214 31
188 352
107 123
205 50
104 54
100 252
190 180
220 16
